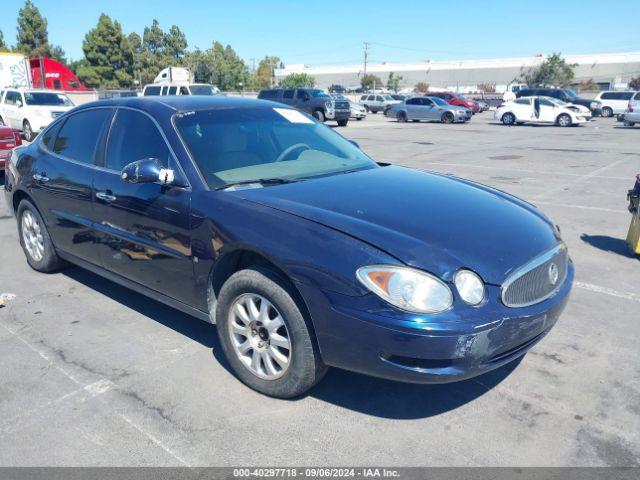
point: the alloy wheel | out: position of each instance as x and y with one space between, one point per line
32 236
259 336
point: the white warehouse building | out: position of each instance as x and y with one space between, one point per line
609 70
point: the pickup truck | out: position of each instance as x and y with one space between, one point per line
313 101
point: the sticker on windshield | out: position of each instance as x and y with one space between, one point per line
294 116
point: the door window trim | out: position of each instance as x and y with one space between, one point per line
63 120
164 138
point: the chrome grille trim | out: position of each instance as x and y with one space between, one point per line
532 269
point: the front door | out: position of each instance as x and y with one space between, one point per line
143 229
62 180
548 111
11 109
427 109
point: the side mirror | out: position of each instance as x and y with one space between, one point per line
148 170
19 103
354 143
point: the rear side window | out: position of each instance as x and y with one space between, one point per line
134 137
625 95
413 101
523 101
151 91
49 136
79 135
288 94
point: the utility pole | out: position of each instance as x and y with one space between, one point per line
366 56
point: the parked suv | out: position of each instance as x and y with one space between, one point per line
614 103
456 100
378 102
313 101
31 110
564 94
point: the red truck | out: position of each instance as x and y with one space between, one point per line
9 139
456 100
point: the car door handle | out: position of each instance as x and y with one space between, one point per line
107 197
40 178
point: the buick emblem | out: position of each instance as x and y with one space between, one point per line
553 273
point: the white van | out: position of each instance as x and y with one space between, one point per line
154 89
614 102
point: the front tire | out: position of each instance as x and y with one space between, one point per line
35 239
564 120
628 124
447 117
343 123
319 115
508 119
265 336
29 134
401 117
607 112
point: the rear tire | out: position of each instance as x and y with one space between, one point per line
447 117
258 365
508 119
629 124
607 112
564 120
29 135
35 239
401 117
319 115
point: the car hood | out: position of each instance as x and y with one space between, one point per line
430 221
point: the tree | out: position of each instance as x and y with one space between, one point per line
421 87
175 44
554 71
108 56
634 83
33 39
487 87
587 85
368 81
298 80
393 82
3 45
264 73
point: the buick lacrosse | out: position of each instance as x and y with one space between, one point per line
303 251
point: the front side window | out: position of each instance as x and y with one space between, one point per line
79 135
184 91
440 101
172 90
426 102
545 102
46 99
317 93
134 137
243 144
608 96
288 94
11 98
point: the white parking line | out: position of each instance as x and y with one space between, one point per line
607 291
582 207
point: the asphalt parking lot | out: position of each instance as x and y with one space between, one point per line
93 374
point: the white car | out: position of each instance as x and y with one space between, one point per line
613 102
32 110
542 110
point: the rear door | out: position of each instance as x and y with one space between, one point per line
63 176
143 229
412 106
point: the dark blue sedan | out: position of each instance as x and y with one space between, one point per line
304 251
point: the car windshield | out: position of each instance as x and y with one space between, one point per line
201 90
318 93
439 101
243 144
462 97
571 93
47 99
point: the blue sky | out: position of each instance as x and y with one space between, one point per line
331 32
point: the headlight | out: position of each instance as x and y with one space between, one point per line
594 105
329 105
407 288
470 287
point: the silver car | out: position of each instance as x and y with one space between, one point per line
431 109
632 115
378 102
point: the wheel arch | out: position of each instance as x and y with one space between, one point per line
240 259
20 195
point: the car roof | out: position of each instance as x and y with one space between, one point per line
183 103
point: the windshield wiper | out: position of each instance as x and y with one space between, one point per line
261 181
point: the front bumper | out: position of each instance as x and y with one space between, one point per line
365 335
338 114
